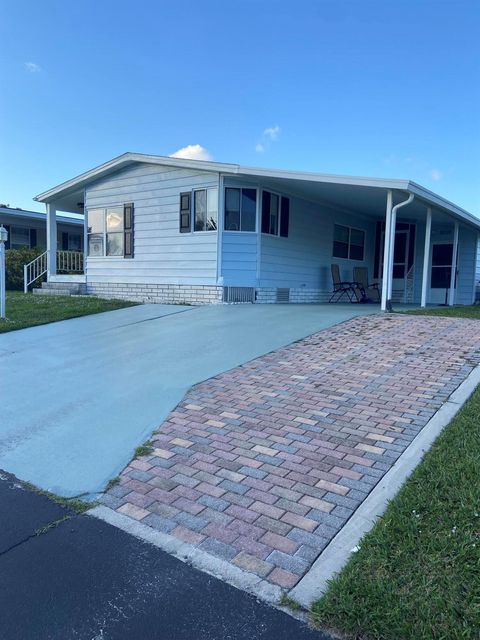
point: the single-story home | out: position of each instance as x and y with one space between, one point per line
28 229
165 229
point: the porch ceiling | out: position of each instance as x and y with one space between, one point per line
365 200
72 203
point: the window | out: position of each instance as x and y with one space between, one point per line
74 242
205 210
275 214
110 231
240 209
442 256
348 243
205 205
19 237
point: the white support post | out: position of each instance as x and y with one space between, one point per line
51 240
393 228
453 273
386 250
220 227
426 257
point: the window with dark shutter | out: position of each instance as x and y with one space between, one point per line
128 230
185 212
285 217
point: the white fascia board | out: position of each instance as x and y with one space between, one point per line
384 183
442 203
124 160
234 169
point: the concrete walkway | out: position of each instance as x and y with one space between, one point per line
261 467
78 396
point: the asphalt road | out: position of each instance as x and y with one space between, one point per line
64 575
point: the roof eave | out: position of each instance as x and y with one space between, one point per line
442 203
124 160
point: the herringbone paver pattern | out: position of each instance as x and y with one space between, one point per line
264 464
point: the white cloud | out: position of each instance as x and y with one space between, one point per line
32 67
192 152
436 175
269 135
272 133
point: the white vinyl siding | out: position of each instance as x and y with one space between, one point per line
162 255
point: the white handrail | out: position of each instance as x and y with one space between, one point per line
67 261
34 270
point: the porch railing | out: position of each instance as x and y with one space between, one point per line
67 262
70 261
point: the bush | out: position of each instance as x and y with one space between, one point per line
14 261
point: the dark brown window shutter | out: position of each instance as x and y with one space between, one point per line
185 212
128 230
285 217
266 212
33 238
64 240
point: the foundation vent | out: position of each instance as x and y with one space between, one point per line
283 295
239 294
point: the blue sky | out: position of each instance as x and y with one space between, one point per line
382 88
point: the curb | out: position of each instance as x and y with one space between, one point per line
192 555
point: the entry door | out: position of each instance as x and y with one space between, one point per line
402 259
440 272
400 262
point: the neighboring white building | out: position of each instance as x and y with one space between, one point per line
165 229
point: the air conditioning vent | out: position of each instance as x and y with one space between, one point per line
239 294
283 295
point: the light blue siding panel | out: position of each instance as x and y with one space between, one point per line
239 258
162 254
304 259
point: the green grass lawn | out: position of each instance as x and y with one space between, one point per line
470 311
26 310
417 573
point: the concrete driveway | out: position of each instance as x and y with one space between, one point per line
78 396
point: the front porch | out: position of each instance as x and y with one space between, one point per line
68 270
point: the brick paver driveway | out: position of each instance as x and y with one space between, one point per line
264 464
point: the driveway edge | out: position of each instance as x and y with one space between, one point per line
190 554
337 553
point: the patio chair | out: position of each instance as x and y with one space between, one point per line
370 289
351 290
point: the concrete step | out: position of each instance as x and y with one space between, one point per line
52 292
74 288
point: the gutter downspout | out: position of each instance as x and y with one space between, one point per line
392 247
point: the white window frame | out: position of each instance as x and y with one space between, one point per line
257 207
350 229
279 226
192 210
104 233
